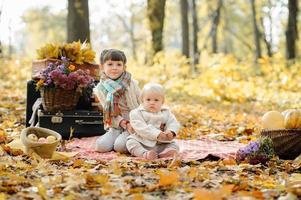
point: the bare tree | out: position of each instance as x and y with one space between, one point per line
129 26
267 39
156 14
215 23
78 27
256 30
195 30
185 27
292 29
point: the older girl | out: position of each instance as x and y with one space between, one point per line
119 94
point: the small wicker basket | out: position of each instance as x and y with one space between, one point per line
45 150
286 142
55 99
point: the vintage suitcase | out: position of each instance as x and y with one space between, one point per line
81 123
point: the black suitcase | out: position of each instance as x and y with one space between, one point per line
84 123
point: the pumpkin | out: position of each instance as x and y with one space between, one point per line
286 111
292 119
273 120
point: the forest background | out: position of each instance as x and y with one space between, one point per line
224 63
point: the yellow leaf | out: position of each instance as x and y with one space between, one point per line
42 191
101 178
176 162
69 197
192 172
116 168
63 155
137 197
229 162
269 184
168 178
3 196
78 163
203 194
71 132
107 189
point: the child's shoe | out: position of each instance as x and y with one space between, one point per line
150 155
168 153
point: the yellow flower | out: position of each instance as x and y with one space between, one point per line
40 83
71 67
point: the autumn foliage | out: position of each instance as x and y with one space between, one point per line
223 100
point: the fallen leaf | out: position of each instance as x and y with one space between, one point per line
168 178
204 194
137 197
229 162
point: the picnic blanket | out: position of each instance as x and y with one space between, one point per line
189 149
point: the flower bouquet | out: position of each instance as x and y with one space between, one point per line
61 85
79 54
260 151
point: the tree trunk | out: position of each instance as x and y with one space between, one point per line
78 27
267 41
228 43
156 14
215 23
292 30
256 30
185 27
195 30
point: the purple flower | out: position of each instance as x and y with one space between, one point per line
58 75
65 59
256 152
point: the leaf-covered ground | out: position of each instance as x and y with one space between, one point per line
25 177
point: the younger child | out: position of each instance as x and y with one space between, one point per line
155 126
118 94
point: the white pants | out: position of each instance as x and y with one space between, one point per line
114 139
138 149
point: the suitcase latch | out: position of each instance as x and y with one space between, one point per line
57 119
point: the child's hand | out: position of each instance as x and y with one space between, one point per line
129 128
169 135
162 136
123 124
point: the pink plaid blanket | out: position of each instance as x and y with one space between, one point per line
189 149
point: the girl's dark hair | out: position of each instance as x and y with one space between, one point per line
112 54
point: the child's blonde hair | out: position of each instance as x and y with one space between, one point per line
153 87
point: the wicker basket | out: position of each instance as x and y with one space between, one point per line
55 99
286 142
45 150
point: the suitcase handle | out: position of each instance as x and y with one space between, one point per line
82 122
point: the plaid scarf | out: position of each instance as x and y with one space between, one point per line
114 91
